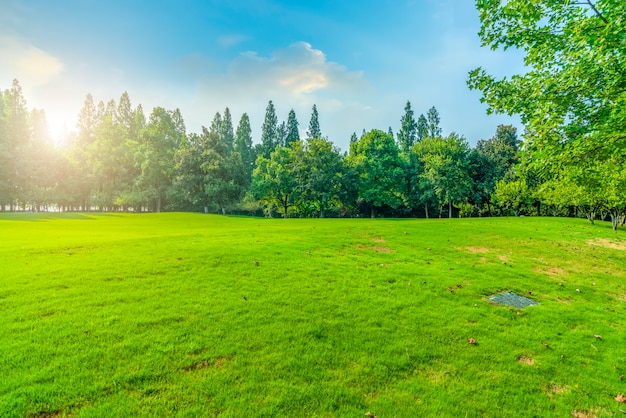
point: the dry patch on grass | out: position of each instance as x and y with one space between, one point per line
382 249
217 363
567 300
583 414
379 240
557 390
504 258
526 360
475 250
552 271
608 243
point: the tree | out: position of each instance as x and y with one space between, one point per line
493 160
269 131
227 134
407 135
445 168
274 181
281 135
376 160
422 128
314 131
125 113
572 96
513 195
243 145
160 139
319 172
434 131
293 134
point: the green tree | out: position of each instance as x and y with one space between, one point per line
445 168
434 131
319 172
227 134
376 160
243 145
407 135
269 131
314 131
274 182
422 128
571 97
160 139
293 134
493 160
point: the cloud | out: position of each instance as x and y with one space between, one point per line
296 76
26 62
228 41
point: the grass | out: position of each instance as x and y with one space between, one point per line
199 315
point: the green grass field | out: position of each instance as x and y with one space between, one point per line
199 315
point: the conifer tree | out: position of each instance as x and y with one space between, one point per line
269 131
293 134
408 130
434 131
314 131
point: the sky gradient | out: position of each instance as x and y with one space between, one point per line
358 61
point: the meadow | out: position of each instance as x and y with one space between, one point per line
117 315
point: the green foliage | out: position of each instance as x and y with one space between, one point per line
274 182
314 131
513 196
376 160
407 135
269 132
445 168
434 131
293 135
572 99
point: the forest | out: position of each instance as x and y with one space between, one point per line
571 161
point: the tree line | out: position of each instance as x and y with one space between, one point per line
120 160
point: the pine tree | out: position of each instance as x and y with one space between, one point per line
314 126
408 130
243 145
293 134
422 128
227 135
281 135
269 131
434 131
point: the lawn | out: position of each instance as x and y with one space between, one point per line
199 315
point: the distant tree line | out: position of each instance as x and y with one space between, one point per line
120 160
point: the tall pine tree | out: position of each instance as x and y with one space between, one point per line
407 135
314 131
293 134
269 131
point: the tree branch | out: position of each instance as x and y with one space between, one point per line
600 15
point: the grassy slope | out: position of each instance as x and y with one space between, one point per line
165 314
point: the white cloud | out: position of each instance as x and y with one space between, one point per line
297 77
26 62
228 41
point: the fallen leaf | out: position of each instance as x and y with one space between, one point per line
369 414
599 337
620 398
471 341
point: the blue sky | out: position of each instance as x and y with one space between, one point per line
358 61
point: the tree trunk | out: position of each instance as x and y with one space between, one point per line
614 220
426 209
373 213
450 209
285 206
158 208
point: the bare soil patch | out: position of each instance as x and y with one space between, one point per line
382 249
552 271
379 240
526 360
475 250
608 243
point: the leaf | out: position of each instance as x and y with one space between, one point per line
471 341
620 398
